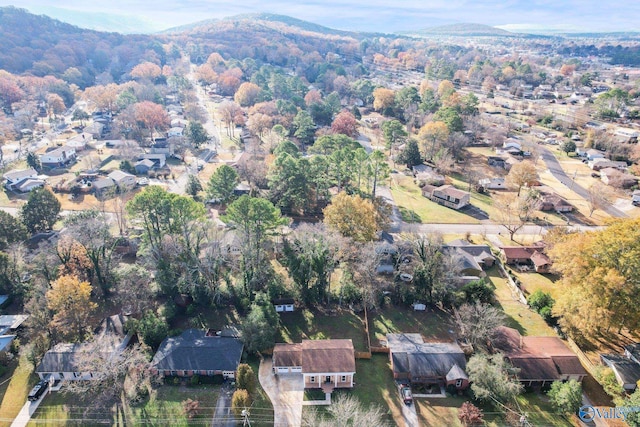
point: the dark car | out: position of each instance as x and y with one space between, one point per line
38 390
405 393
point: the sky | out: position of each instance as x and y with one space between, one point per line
360 15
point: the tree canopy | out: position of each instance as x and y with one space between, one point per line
41 211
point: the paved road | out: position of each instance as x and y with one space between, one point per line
286 394
558 173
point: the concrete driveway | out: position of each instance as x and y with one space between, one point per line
286 394
223 417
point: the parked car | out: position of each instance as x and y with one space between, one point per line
405 393
38 390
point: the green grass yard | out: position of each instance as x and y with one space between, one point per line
311 324
15 386
519 316
416 208
163 407
434 325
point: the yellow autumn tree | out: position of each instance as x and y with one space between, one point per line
70 300
352 216
383 98
432 137
600 279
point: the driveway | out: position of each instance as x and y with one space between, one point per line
27 411
223 417
286 394
409 414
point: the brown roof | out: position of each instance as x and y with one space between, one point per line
538 259
535 368
319 356
287 355
569 365
516 252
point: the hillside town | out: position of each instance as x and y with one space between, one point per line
317 227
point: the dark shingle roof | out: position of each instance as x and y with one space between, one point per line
626 370
319 356
193 351
413 356
61 358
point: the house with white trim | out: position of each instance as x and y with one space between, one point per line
324 364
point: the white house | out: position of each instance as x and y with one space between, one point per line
22 180
447 195
492 183
594 154
62 361
175 132
58 157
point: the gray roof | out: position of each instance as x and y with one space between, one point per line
12 321
194 351
99 184
5 341
428 360
626 370
17 175
61 358
456 373
145 162
118 175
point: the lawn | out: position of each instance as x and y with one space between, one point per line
519 316
15 386
163 406
416 208
532 282
439 412
434 325
312 324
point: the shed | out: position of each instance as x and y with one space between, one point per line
284 305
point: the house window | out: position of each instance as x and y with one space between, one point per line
173 373
327 379
312 379
459 383
343 379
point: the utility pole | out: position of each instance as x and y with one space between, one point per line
245 418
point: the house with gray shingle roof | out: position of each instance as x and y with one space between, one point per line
198 352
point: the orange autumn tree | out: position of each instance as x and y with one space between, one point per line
70 301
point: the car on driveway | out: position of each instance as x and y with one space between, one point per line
38 390
405 393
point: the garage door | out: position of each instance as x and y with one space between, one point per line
297 370
283 370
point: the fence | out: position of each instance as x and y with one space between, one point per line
584 359
515 290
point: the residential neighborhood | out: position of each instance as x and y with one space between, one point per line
260 220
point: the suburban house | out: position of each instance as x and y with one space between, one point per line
492 183
592 154
601 163
103 187
325 364
9 324
284 305
616 178
58 157
447 195
159 159
427 175
144 166
474 258
511 145
625 368
415 362
200 352
175 132
23 180
496 161
79 142
528 256
63 360
123 179
162 146
553 202
539 360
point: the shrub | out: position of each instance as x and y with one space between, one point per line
194 380
478 290
246 378
469 414
539 300
239 401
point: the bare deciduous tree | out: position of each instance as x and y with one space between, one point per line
345 411
478 323
599 197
